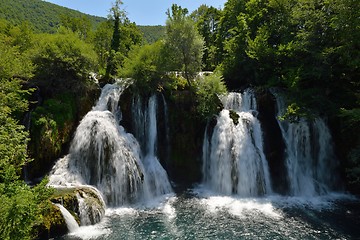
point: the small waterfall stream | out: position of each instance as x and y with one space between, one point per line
310 159
146 129
104 155
70 221
233 158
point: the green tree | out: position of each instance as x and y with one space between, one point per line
63 61
144 66
21 206
209 89
117 16
125 35
207 21
231 43
102 44
183 42
80 25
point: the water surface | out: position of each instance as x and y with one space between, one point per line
198 214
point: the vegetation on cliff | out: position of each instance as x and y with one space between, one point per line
22 206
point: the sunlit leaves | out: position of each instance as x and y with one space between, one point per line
208 90
184 42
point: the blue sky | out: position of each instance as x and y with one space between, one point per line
143 12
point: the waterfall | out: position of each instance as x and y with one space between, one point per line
104 155
167 130
145 125
310 159
233 158
70 221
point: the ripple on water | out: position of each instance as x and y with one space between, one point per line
208 216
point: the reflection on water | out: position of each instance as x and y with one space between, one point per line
198 214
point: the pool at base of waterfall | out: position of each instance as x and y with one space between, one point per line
200 214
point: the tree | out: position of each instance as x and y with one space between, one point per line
79 25
125 35
208 91
144 65
116 16
231 42
184 43
207 21
63 61
102 43
21 205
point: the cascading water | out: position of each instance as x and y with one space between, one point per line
103 155
145 125
310 159
70 221
233 158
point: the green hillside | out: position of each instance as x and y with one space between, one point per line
43 16
152 33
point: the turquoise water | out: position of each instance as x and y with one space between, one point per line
197 214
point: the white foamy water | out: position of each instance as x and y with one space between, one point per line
104 155
233 156
201 214
70 221
100 230
310 160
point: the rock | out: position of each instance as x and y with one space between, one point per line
234 116
85 203
53 224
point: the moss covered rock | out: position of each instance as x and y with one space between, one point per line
53 224
84 203
234 116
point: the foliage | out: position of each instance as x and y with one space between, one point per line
151 34
125 36
22 209
20 205
183 43
58 110
102 44
207 21
310 48
42 15
13 142
14 45
80 25
51 126
13 64
143 65
63 60
294 44
208 90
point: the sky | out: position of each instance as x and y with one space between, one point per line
142 12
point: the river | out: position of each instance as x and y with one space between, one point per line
199 214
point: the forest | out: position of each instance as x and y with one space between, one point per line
308 48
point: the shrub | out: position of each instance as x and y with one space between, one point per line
208 90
